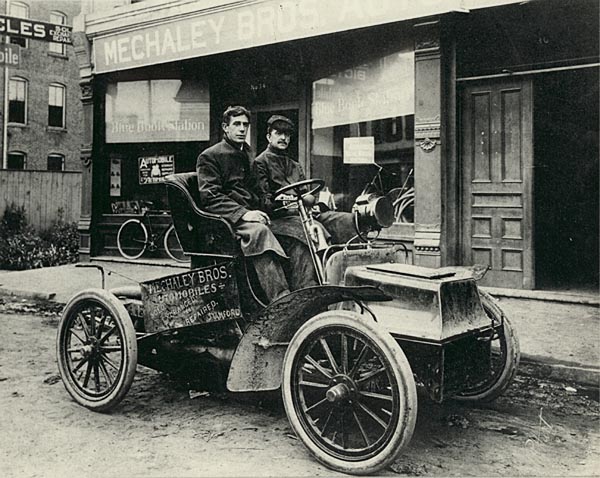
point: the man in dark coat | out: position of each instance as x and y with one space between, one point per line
228 188
274 169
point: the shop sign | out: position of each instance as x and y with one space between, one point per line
35 30
154 169
199 296
10 54
251 25
151 111
359 150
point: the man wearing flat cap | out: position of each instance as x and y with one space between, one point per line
274 169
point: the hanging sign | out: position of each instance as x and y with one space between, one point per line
198 296
154 169
35 30
10 54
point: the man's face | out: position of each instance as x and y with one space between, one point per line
279 140
237 129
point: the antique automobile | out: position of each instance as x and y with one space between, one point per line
347 355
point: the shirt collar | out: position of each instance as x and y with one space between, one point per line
245 147
276 151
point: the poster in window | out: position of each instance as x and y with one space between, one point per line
382 88
152 111
154 169
115 177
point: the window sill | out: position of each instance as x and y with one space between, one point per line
17 125
56 129
64 56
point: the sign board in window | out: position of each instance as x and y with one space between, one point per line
154 169
359 150
382 88
151 111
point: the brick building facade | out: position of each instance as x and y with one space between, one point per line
44 106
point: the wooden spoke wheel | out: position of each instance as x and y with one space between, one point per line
96 349
504 356
349 392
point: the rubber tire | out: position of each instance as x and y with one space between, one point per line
179 257
402 373
511 360
128 224
127 332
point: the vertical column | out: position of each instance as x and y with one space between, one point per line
428 150
82 52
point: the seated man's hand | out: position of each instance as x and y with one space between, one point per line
286 197
256 216
286 201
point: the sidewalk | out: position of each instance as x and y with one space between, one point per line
559 333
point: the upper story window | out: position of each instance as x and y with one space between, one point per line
20 10
57 18
17 101
56 162
16 160
56 105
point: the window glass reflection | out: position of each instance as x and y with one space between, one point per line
374 99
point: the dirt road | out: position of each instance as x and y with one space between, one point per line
537 429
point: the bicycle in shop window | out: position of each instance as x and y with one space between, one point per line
136 236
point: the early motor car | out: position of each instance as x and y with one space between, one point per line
347 355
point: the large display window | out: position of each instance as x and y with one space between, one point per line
157 111
373 100
153 128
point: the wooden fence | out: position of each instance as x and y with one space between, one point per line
43 194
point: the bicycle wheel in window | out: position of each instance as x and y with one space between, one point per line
132 239
172 245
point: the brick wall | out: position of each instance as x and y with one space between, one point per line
40 68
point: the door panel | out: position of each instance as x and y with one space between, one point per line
496 155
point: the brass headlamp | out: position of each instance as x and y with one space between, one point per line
372 212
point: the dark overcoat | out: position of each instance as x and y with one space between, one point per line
227 187
273 170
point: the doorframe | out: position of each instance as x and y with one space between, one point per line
529 278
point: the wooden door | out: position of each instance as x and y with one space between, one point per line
497 179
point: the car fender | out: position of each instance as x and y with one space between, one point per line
258 360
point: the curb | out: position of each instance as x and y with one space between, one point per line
548 368
587 299
138 262
27 294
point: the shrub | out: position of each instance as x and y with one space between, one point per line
64 236
14 220
22 248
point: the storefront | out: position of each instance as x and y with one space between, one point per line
424 88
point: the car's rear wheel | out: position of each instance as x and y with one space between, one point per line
504 356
